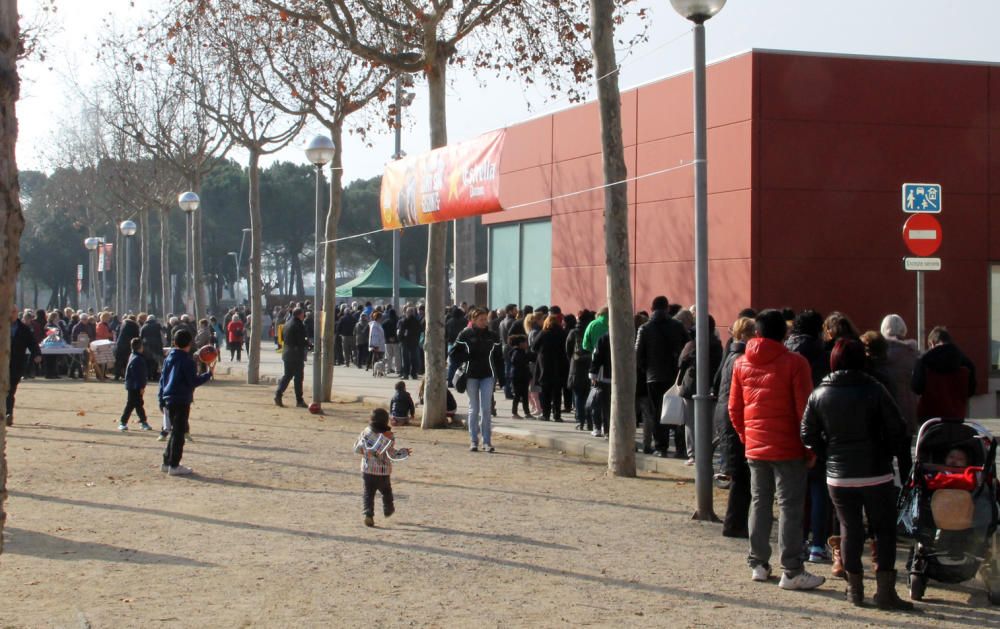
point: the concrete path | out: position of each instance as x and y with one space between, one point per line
357 385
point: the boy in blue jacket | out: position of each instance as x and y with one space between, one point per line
178 381
135 387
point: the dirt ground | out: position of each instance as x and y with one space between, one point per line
268 532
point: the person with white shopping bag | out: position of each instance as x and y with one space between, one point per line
658 345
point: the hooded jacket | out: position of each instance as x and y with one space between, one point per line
770 388
179 379
853 423
944 379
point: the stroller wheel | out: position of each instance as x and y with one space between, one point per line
918 585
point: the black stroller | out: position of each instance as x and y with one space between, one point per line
949 507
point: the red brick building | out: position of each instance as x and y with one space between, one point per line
807 155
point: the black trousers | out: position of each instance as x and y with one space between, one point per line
520 390
551 399
179 427
134 403
15 379
383 484
294 370
738 508
879 502
650 420
661 433
411 360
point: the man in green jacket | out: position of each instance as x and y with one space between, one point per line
595 330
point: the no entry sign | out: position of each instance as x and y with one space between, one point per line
922 234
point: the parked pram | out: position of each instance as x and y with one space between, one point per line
949 507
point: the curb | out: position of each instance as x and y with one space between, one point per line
596 451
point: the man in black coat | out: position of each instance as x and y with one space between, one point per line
658 346
408 332
293 355
345 332
22 340
123 345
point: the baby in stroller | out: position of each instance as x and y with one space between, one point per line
949 507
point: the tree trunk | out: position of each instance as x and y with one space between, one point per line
120 279
166 304
11 219
299 285
144 230
256 287
437 244
330 259
621 451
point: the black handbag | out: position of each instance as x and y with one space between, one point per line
461 377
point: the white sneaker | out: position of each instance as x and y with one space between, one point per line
122 428
804 581
761 573
164 468
595 433
689 462
180 470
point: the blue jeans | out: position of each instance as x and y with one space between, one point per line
580 405
819 506
480 392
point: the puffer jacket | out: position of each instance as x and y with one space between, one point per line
769 391
481 349
853 423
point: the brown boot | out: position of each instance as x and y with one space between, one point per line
885 594
856 589
838 563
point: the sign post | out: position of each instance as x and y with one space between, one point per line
922 236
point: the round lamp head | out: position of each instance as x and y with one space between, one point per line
188 201
128 228
92 243
320 149
698 10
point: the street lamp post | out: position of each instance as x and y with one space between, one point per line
91 244
128 229
189 202
320 152
699 12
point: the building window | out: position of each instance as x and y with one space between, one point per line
521 264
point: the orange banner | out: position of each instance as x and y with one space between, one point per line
452 182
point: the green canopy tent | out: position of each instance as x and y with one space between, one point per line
376 281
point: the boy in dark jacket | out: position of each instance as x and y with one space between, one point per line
177 384
401 409
135 387
519 359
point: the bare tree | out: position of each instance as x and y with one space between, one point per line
249 122
410 36
296 70
11 219
621 453
152 101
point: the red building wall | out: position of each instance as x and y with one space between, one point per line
807 154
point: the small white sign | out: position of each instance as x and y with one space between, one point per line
922 264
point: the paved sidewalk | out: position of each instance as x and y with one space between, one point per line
357 385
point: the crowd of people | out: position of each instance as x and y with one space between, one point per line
808 410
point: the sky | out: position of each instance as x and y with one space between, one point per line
952 29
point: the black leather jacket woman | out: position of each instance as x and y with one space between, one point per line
481 349
853 423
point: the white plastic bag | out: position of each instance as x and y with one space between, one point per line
672 410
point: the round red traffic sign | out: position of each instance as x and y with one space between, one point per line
922 234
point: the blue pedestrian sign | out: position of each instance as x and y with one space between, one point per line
922 198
